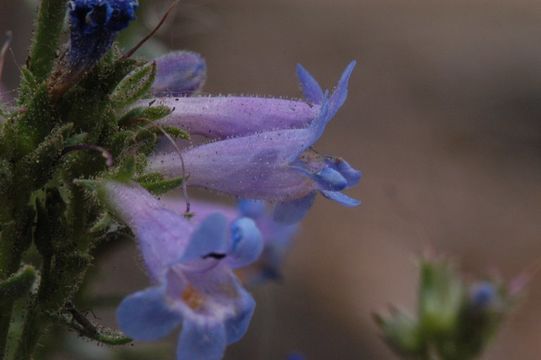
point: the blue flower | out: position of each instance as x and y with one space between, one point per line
277 165
296 356
276 236
180 73
192 266
482 294
94 25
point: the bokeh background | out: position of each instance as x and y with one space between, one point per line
444 119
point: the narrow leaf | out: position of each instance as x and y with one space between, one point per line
18 284
134 86
144 115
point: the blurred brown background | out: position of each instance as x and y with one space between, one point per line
443 117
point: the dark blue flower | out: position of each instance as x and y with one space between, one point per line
94 25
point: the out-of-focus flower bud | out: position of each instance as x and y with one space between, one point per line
455 320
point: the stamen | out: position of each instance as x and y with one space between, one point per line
183 170
192 298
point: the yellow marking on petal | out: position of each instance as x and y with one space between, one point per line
192 298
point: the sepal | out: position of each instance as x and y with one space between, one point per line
134 86
35 169
401 331
440 296
86 328
158 185
145 115
18 284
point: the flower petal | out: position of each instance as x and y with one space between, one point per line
330 179
201 342
222 117
254 166
161 234
340 94
180 73
210 237
309 86
330 106
237 326
294 211
352 175
251 208
144 315
246 243
341 198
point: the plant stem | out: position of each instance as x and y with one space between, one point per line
63 272
15 239
47 34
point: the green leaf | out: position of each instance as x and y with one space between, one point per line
6 179
126 170
29 84
50 228
87 184
177 133
109 336
76 139
18 284
156 184
441 297
3 112
134 86
46 36
65 277
401 332
77 321
103 224
145 115
36 168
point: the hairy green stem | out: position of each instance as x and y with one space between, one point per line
62 273
34 322
15 239
47 34
32 330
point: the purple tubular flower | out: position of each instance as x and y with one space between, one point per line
180 73
192 267
226 116
230 116
276 166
